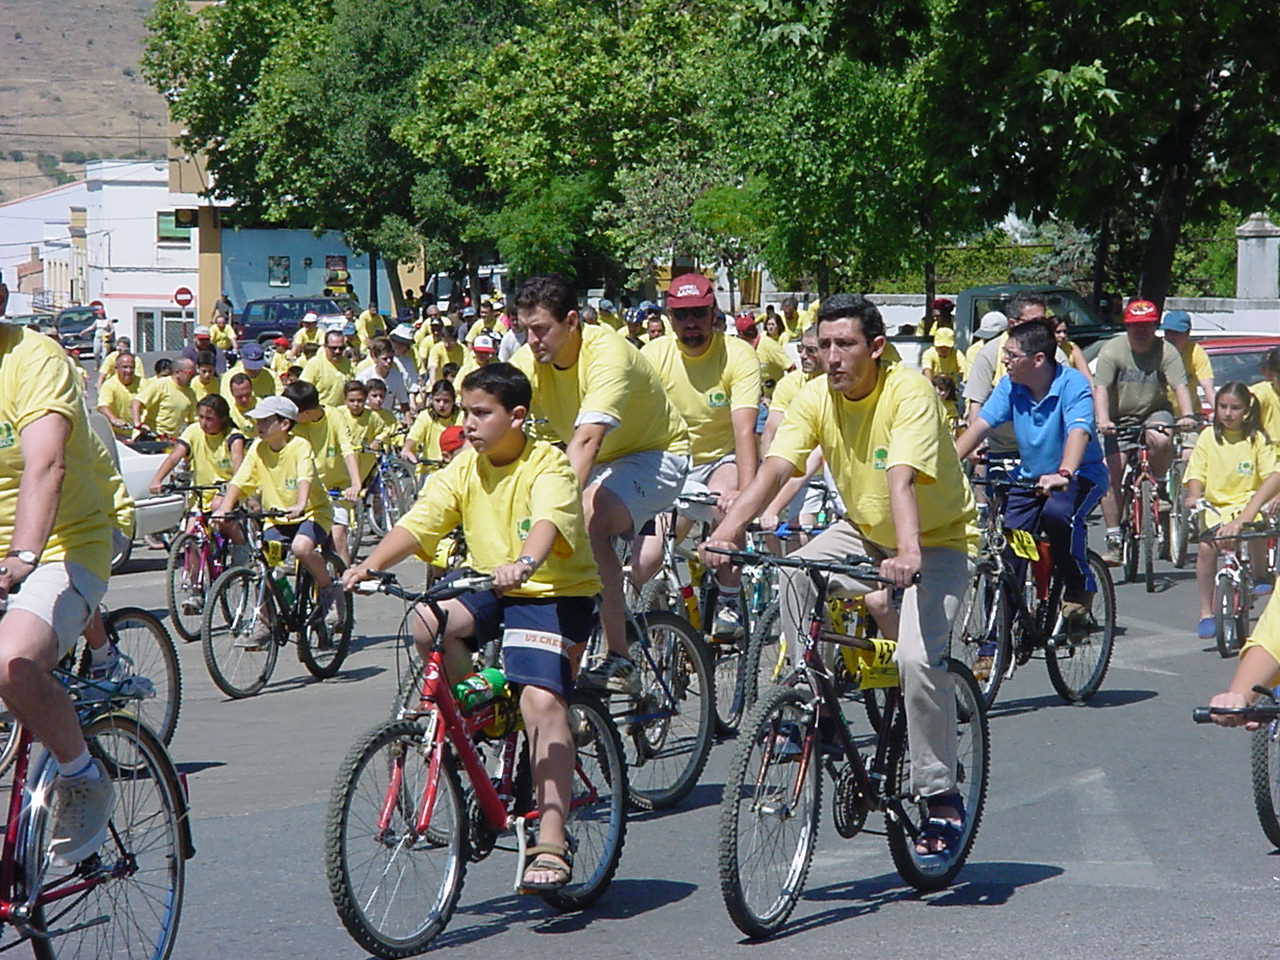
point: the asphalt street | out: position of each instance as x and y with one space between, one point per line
1113 829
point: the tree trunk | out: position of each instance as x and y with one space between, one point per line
1100 262
930 292
732 307
393 281
1171 208
373 280
824 281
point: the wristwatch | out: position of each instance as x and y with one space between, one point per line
1065 474
528 563
29 557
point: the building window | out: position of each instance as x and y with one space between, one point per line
277 271
169 232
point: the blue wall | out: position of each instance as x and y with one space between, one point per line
244 265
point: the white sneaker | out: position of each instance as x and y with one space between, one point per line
192 604
614 674
106 679
256 639
727 626
79 816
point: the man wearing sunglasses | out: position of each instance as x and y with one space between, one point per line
329 370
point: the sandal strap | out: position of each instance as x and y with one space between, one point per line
553 849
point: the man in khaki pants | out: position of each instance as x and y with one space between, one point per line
886 439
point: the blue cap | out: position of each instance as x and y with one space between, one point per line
1179 321
648 306
468 312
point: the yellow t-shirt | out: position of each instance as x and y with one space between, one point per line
328 378
1231 471
263 379
706 389
241 419
972 353
362 432
280 362
442 353
118 398
202 389
305 336
498 506
474 331
388 425
787 389
330 442
35 380
109 365
273 476
167 407
611 320
900 422
954 364
425 435
468 365
1198 368
774 361
612 384
423 341
1266 632
210 454
1269 402
368 326
221 336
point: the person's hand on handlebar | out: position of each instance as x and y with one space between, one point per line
1106 428
769 522
901 569
716 561
353 575
352 494
509 576
1051 482
1188 421
1227 532
1231 700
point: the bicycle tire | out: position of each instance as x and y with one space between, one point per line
1077 671
1264 768
1148 535
356 529
767 661
984 619
236 671
666 754
972 770
1179 517
323 645
143 860
727 658
1128 539
1225 623
597 832
753 803
142 638
185 575
359 854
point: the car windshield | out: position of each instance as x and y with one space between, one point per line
1243 365
273 311
1061 303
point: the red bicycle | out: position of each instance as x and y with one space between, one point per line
197 557
401 830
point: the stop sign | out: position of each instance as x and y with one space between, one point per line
183 296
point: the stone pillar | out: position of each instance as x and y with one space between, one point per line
1258 259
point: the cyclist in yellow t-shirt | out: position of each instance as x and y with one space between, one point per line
943 359
423 440
889 447
167 404
329 370
445 350
360 424
117 393
221 333
334 452
207 382
519 504
774 362
714 382
1267 392
308 335
213 444
388 425
1176 327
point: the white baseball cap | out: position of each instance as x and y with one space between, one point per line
274 407
993 323
403 332
311 317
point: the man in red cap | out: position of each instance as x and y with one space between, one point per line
714 381
774 361
941 314
1130 378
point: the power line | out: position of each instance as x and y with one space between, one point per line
8 132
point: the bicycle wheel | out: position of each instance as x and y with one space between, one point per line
1179 517
597 821
1148 535
394 889
147 648
1078 664
667 730
140 869
973 758
767 660
186 585
357 528
769 813
981 637
325 642
1225 603
727 658
1264 763
237 668
1128 539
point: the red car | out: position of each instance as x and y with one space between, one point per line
1236 357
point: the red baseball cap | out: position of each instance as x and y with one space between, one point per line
1141 311
744 322
943 304
281 341
452 439
690 290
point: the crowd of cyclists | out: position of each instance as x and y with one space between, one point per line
549 431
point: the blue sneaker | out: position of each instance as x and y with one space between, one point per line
1207 628
1261 589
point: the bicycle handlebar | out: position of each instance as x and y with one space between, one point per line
384 581
862 568
1259 712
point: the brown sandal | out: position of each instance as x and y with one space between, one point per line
552 858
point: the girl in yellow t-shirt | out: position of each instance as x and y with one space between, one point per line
1232 468
423 440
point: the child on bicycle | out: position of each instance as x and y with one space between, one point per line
337 467
519 502
1233 467
423 441
374 402
360 424
281 471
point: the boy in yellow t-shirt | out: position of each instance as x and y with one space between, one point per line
1234 468
361 426
943 359
519 502
207 381
280 470
334 454
388 425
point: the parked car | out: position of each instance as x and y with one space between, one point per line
1085 325
75 329
152 514
264 320
1235 356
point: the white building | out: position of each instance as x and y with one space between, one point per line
110 237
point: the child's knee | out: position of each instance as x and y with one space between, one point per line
301 547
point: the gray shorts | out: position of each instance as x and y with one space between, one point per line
646 482
1161 418
63 595
701 473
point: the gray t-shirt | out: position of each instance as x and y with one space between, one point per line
1136 382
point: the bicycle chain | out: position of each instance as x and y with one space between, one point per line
847 807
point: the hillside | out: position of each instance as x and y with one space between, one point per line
71 88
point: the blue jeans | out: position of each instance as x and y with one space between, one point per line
1061 516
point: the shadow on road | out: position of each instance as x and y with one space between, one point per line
144 561
1103 698
702 795
623 900
989 884
306 680
199 766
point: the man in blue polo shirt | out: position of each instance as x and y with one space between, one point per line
1051 406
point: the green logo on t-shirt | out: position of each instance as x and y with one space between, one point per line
880 459
717 398
8 436
291 483
524 526
1245 467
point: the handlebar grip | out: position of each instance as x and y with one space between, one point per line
1201 715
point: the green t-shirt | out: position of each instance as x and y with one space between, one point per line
1137 382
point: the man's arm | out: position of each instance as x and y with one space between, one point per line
584 447
1183 396
353 475
972 438
1102 407
746 454
746 507
137 413
905 564
44 443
